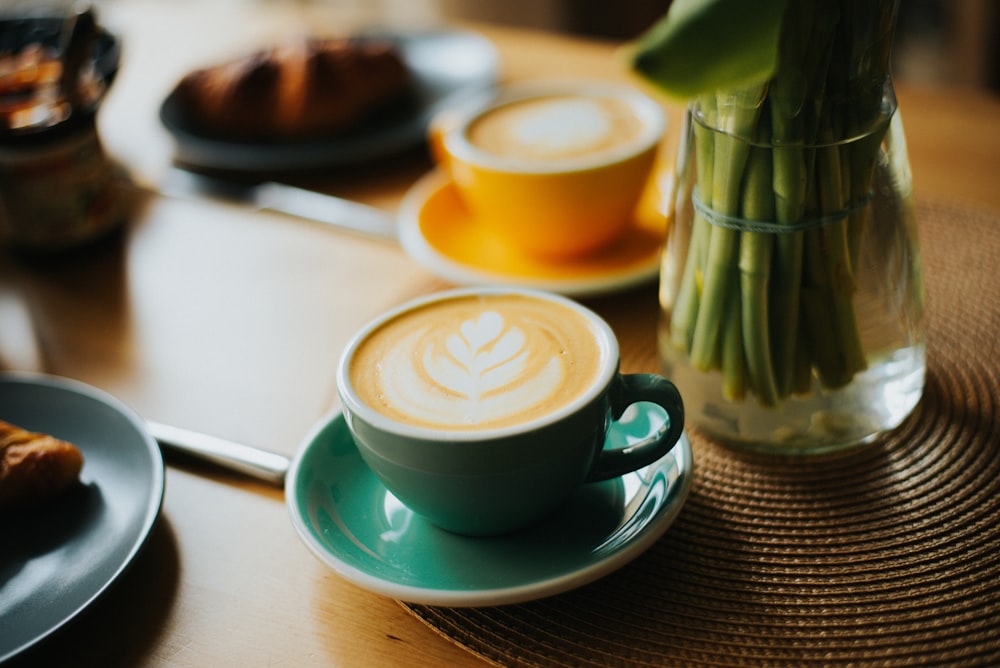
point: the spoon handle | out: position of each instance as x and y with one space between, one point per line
261 464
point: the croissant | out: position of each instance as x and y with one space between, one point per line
34 467
306 89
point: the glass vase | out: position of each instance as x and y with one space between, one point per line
790 288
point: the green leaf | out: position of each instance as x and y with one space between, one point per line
704 45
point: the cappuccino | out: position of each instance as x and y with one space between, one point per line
477 362
484 409
556 128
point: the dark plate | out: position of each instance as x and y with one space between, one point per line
58 558
446 65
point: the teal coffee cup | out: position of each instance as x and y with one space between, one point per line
484 409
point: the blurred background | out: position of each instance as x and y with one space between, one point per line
946 42
938 42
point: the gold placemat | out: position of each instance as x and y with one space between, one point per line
885 555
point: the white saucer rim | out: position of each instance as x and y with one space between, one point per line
651 532
416 245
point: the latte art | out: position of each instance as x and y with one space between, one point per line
477 375
476 363
483 358
556 128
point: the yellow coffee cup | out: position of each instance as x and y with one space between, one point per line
554 168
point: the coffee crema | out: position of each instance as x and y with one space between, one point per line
556 127
477 362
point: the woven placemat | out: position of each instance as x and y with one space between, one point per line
888 555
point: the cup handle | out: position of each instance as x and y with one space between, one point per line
438 128
449 118
630 389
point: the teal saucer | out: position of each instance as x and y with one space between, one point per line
356 527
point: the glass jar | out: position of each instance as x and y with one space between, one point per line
791 289
58 188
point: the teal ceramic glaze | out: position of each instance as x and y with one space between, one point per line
493 481
348 519
494 486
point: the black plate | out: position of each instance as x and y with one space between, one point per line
58 558
446 65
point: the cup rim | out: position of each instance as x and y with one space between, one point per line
456 143
351 403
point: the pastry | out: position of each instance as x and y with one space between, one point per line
34 467
305 89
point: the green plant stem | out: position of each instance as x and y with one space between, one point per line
789 181
732 354
797 88
755 272
737 116
828 278
685 308
771 309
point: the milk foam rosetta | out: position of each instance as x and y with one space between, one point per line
557 127
476 362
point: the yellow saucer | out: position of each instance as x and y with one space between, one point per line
438 231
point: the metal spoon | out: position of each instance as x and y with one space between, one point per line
263 465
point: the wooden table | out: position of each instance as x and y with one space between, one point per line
212 318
